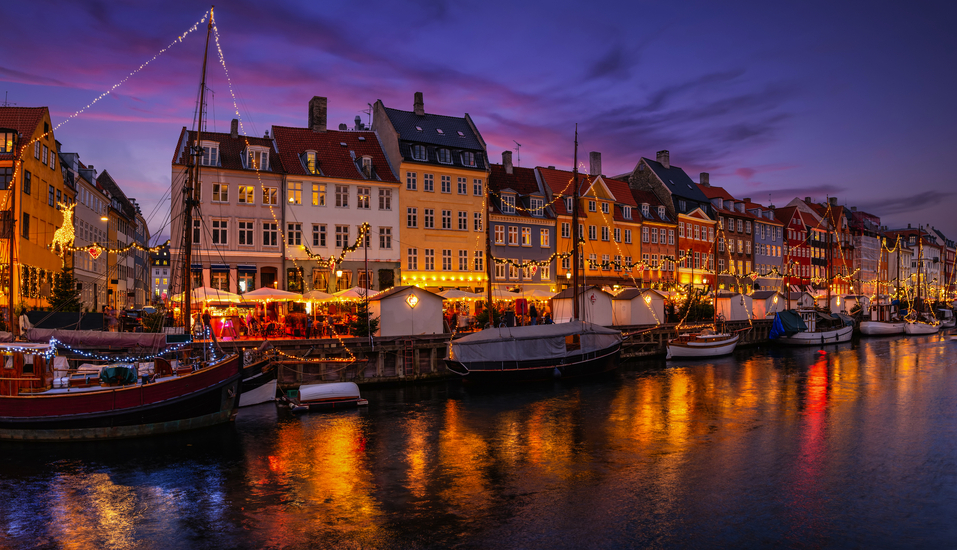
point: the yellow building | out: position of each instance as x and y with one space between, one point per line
32 189
443 170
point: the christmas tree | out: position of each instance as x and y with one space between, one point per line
362 324
65 296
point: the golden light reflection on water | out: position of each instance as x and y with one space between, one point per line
89 510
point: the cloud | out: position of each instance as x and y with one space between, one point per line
613 63
20 77
907 204
817 192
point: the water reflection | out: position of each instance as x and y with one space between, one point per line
850 445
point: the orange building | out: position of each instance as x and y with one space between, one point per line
696 249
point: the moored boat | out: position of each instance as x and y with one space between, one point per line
920 327
330 396
540 352
259 380
879 328
702 344
810 328
118 401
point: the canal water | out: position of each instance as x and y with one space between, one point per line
849 446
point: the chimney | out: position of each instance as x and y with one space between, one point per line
832 200
663 157
807 200
853 209
419 105
343 127
747 199
234 128
908 225
594 163
704 179
359 125
507 161
317 114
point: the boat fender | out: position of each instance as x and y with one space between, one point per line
556 373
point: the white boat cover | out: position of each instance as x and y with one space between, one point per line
328 391
533 342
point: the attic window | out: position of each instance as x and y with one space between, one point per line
661 212
210 153
419 128
671 182
257 158
439 130
445 156
418 152
310 162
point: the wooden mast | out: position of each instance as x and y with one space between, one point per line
575 255
192 180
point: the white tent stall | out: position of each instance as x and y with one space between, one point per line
801 300
734 307
845 303
638 306
765 303
597 306
407 310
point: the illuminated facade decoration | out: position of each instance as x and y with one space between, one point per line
927 261
696 248
521 228
840 260
797 257
337 180
443 173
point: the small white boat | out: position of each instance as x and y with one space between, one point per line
702 345
880 328
811 328
919 327
818 337
947 319
332 396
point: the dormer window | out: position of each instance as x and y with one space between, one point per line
569 203
445 156
626 212
439 130
257 158
468 159
645 209
418 152
309 162
210 154
461 133
661 212
366 164
508 204
536 206
719 202
418 128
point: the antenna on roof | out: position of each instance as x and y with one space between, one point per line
5 102
369 112
518 151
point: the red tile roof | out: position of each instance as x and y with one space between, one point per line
521 180
334 159
559 182
715 192
24 120
230 149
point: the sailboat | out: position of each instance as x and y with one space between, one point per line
919 323
883 321
540 352
705 343
43 398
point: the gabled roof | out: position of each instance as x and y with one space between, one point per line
407 124
715 192
632 293
785 214
521 180
677 181
230 149
647 197
749 205
763 294
105 180
336 152
24 120
559 183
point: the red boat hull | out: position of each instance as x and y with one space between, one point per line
206 397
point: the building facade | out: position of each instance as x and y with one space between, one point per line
768 246
90 226
735 238
659 243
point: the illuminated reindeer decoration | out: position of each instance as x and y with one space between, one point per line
63 237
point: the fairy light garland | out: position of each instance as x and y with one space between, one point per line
127 359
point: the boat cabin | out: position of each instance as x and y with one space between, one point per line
27 368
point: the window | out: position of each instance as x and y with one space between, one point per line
604 207
310 162
411 217
463 186
468 159
569 204
628 236
444 156
740 246
681 229
566 230
27 177
418 152
294 234
626 212
654 236
499 234
697 260
526 236
52 198
318 194
294 192
25 226
537 206
661 212
682 205
270 234
544 238
508 204
385 199
446 184
720 244
463 221
697 232
591 206
499 271
342 236
747 247
513 272
604 233
428 182
720 265
410 183
747 227
196 231
6 176
257 160
219 280
429 259
446 260
566 263
644 234
446 219
513 236
270 195
342 196
246 194
246 233
412 259
731 246
479 260
593 261
463 260
46 153
364 198
428 216
318 234
220 235
592 233
36 149
210 154
477 188
477 221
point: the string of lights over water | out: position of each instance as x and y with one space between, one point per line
850 446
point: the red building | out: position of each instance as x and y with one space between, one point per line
797 251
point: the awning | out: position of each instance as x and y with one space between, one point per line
245 268
219 267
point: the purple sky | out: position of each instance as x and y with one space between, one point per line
853 100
